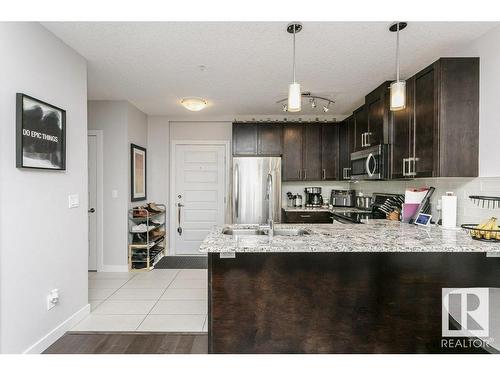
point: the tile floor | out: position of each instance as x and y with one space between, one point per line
156 301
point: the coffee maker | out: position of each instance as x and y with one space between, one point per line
313 197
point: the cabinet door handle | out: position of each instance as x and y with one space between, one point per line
300 174
305 216
363 140
367 139
305 174
324 174
404 166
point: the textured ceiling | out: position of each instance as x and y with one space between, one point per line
248 65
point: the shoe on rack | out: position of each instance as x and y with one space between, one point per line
156 233
140 212
139 239
153 207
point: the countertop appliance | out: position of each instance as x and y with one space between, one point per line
342 198
371 163
250 185
313 197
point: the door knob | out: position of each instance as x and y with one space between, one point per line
92 210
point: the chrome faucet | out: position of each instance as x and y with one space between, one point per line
269 196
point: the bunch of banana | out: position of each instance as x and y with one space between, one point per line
483 230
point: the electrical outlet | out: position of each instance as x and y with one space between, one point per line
52 299
114 193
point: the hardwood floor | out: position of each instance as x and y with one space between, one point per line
129 343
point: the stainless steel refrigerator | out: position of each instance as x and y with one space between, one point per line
256 185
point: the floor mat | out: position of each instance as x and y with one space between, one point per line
183 262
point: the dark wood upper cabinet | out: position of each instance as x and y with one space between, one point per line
400 135
251 139
377 111
269 139
346 146
312 153
424 125
330 151
293 143
458 117
360 120
244 139
437 134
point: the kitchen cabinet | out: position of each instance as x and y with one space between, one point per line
307 217
293 141
377 112
251 139
437 134
346 146
330 151
360 120
244 139
312 153
269 139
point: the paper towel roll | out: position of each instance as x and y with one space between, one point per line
449 211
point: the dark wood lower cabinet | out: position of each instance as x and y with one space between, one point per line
337 302
308 217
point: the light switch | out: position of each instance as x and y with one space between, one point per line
74 200
114 193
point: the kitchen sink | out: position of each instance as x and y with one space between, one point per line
290 232
261 232
243 232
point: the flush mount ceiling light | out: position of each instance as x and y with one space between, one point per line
194 104
398 87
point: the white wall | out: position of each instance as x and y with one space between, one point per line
43 243
122 124
111 117
137 134
487 49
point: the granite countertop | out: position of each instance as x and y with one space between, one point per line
374 236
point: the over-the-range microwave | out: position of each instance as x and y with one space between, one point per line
371 163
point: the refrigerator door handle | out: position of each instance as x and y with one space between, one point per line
236 190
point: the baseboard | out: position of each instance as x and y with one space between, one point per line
57 332
114 268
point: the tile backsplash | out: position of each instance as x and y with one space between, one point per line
467 211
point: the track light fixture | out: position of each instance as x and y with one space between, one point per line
313 99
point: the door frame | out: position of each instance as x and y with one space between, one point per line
173 214
99 134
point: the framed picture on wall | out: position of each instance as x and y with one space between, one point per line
138 173
40 134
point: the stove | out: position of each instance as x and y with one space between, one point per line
356 217
359 215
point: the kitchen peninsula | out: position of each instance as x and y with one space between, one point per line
333 288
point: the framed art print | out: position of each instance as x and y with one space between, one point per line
40 134
138 172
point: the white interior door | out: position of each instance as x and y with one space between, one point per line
92 155
199 194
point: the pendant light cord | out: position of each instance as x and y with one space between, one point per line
397 52
294 53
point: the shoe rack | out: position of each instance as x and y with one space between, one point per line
146 237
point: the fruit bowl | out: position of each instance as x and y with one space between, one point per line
480 234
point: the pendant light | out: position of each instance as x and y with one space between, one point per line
398 87
294 94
